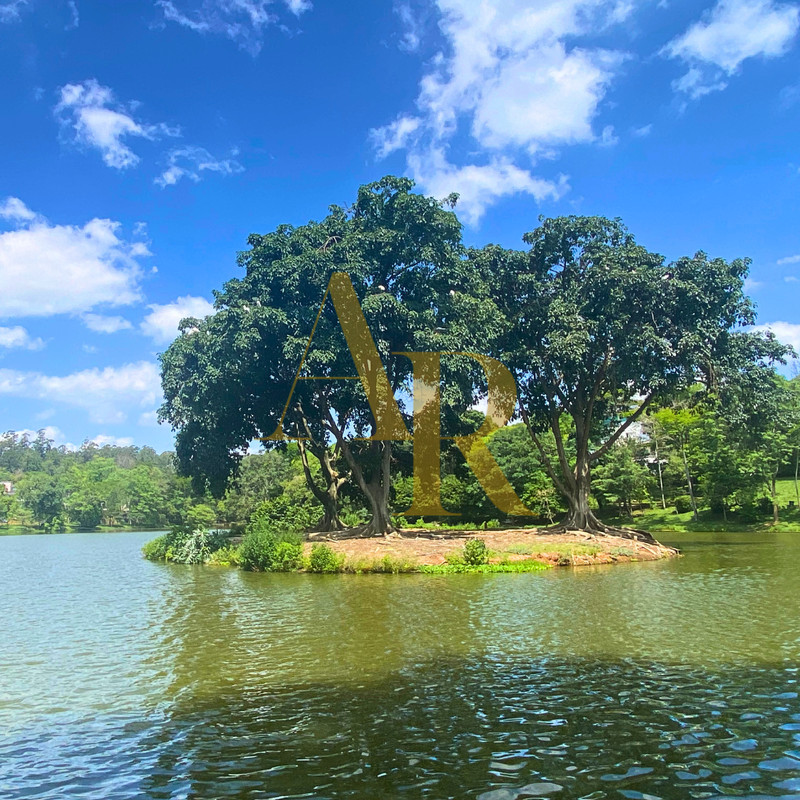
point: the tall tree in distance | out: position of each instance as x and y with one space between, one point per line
598 328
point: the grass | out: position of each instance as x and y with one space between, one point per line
482 569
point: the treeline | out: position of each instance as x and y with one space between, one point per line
692 456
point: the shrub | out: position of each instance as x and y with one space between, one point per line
156 549
288 556
323 559
257 550
227 556
683 503
475 552
284 515
196 547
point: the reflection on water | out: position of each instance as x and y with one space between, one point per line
125 679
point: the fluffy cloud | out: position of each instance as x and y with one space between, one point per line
102 439
38 260
161 324
479 187
9 12
512 72
191 162
102 324
731 32
786 332
93 118
108 394
19 337
242 21
789 260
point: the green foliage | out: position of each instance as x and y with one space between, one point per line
475 552
529 565
201 517
282 514
227 556
257 551
393 565
158 548
288 556
182 546
323 559
683 503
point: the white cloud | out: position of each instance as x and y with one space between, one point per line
106 394
103 324
50 269
394 136
92 116
791 279
76 17
789 260
242 21
786 332
103 439
51 432
608 138
149 419
751 285
512 76
190 162
480 186
15 210
412 37
643 131
161 324
9 12
19 337
731 32
298 7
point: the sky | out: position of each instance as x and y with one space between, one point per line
142 141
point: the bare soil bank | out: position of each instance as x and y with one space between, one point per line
573 548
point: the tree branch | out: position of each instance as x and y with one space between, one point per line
601 451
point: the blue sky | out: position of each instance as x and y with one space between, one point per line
143 141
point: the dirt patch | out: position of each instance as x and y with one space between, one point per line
559 549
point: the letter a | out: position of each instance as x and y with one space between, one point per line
389 423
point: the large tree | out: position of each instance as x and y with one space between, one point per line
598 328
227 378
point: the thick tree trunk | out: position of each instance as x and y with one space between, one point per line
376 490
329 496
580 516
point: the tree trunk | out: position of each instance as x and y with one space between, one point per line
775 509
689 484
580 516
660 476
377 494
329 496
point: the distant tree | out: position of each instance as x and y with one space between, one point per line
621 478
44 498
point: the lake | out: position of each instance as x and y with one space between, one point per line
120 678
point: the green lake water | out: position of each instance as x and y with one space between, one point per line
120 678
